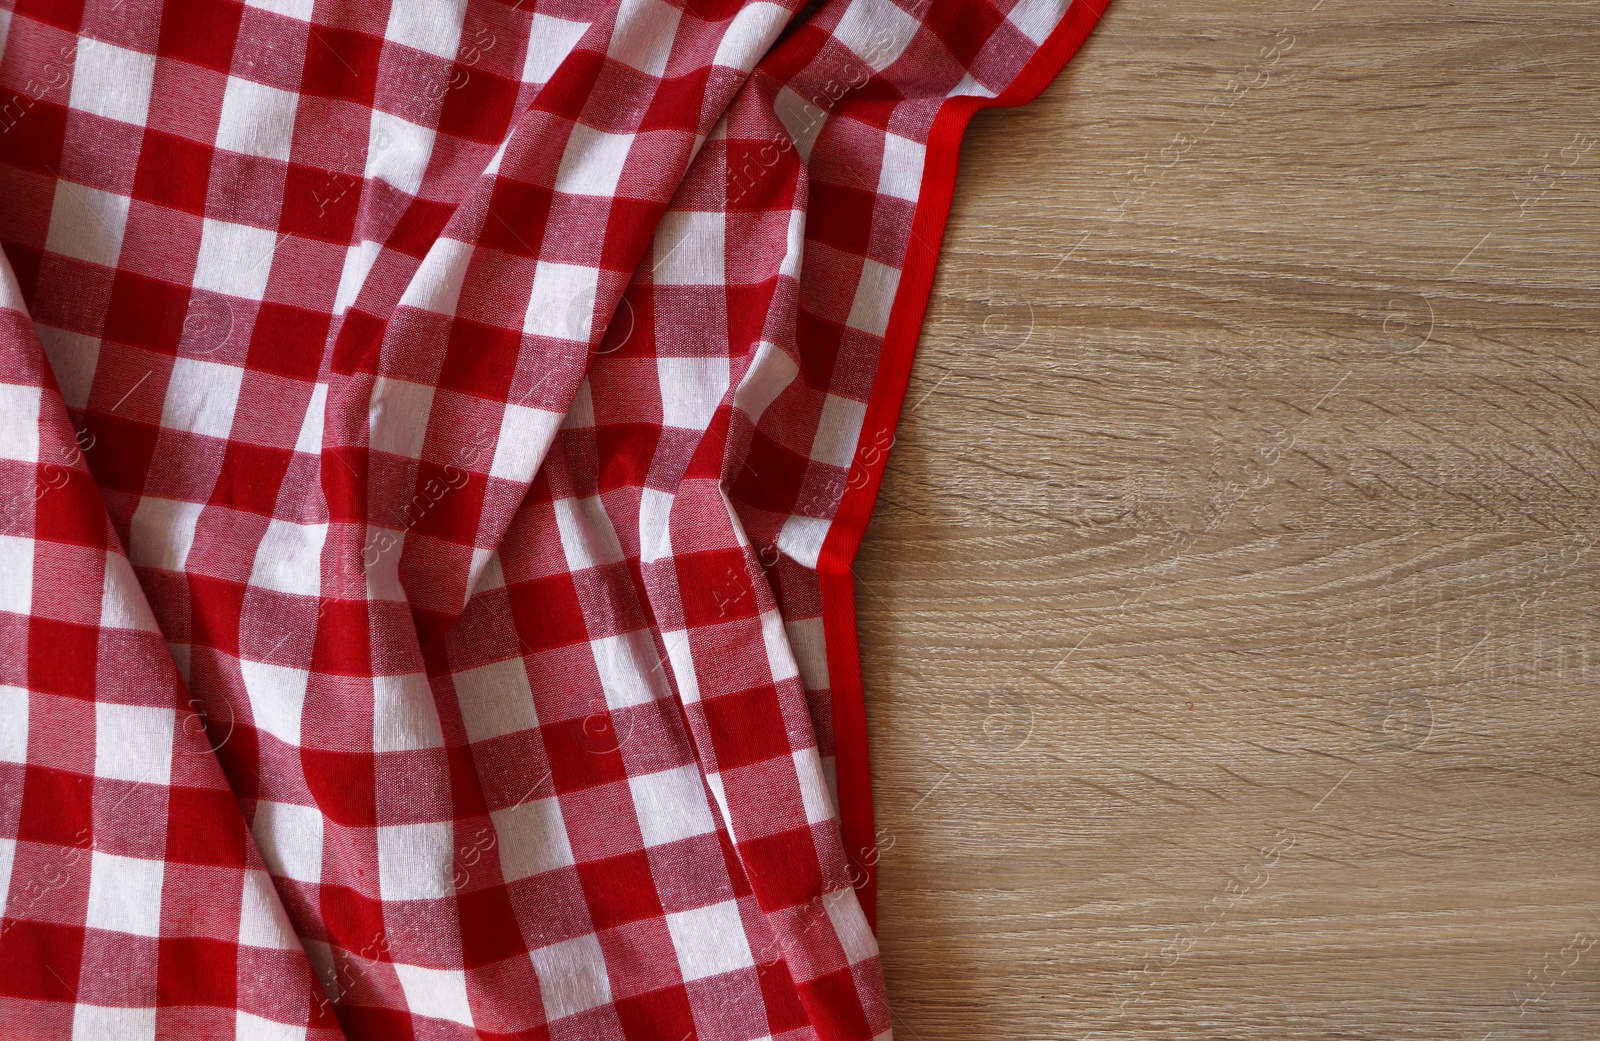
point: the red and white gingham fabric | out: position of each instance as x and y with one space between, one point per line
432 434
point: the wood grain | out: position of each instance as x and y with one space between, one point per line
1229 616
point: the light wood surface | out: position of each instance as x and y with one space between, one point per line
1229 616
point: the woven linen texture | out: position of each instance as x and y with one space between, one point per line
419 426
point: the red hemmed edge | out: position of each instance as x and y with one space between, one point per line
853 767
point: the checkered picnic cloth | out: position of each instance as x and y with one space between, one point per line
433 438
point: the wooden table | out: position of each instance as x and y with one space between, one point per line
1230 613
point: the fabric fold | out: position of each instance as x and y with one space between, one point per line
122 842
489 397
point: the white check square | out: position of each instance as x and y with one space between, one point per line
593 161
436 286
201 397
247 1027
750 36
87 224
572 976
644 35
416 861
671 805
838 431
525 436
262 922
626 665
533 839
133 742
290 839
874 297
436 993
691 390
689 249
13 724
561 304
16 575
289 558
562 301
901 174
495 700
277 696
397 416
432 26
398 150
709 940
299 10
234 259
19 422
403 714
112 81
162 532
124 894
102 1023
550 40
257 119
74 358
122 601
587 537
